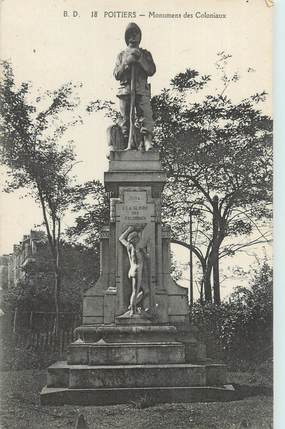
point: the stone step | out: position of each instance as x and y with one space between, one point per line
126 334
103 353
150 395
129 376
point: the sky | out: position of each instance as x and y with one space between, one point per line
49 48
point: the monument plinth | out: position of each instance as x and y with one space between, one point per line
113 332
134 340
120 356
135 203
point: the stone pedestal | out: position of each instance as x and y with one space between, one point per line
135 181
118 356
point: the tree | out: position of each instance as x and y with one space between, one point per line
218 156
91 204
34 292
36 160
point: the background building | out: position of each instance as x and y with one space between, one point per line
13 267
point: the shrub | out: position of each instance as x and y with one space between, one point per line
242 327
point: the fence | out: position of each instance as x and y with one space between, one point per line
46 341
36 330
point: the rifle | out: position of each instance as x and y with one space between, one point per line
131 140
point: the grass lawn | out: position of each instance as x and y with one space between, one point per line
20 409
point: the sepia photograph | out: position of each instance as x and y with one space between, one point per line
136 207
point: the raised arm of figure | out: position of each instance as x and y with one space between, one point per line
123 236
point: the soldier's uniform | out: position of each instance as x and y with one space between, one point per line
144 67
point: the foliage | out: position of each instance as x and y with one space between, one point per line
243 325
189 80
175 269
31 149
107 107
18 356
34 292
91 205
29 140
81 269
218 157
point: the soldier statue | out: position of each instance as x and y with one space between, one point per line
133 66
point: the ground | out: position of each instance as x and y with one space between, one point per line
20 409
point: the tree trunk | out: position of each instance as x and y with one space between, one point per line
57 284
207 281
215 251
201 298
205 284
216 275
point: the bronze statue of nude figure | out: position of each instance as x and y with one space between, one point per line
137 258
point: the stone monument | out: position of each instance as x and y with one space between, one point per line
134 340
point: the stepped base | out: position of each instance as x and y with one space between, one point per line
130 333
102 353
151 395
128 376
120 364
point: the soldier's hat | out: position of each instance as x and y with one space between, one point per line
131 27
